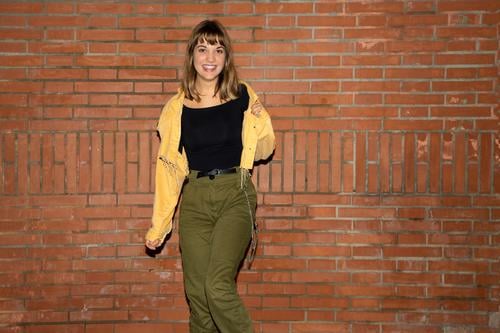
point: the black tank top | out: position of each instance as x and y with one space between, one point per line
212 136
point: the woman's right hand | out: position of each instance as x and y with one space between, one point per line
152 245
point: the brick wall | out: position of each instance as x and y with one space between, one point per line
379 212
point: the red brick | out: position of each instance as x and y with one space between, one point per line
62 21
16 73
21 8
281 21
31 34
377 33
102 47
372 20
106 35
413 124
289 8
24 61
60 8
370 60
405 73
137 74
369 86
320 99
58 87
347 21
403 20
412 252
462 86
102 22
467 6
104 8
59 34
289 34
374 7
102 112
140 22
465 59
147 48
105 61
193 8
58 73
103 86
14 100
414 99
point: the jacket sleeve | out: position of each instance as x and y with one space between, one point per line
166 196
265 136
263 129
169 177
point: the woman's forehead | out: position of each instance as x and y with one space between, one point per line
210 40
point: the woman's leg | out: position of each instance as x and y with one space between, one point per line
195 229
230 239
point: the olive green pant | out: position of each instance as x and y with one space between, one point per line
215 227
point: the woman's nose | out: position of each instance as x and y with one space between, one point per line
210 56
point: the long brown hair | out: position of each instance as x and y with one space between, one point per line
213 32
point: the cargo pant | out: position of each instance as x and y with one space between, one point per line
215 227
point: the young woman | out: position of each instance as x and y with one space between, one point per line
211 133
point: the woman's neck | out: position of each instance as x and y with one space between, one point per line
206 90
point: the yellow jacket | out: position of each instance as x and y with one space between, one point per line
172 166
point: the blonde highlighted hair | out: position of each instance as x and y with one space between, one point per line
212 32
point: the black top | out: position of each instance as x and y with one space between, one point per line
212 136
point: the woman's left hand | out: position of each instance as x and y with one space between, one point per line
256 108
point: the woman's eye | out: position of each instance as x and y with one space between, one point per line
220 51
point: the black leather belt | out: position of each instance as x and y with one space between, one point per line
214 172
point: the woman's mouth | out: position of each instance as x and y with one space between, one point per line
209 68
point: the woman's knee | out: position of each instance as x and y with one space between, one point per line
219 288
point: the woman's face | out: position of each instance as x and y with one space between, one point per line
209 61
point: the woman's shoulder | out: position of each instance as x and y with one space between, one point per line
244 84
174 101
171 108
243 89
251 93
178 96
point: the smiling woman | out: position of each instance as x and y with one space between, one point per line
211 132
209 61
210 54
